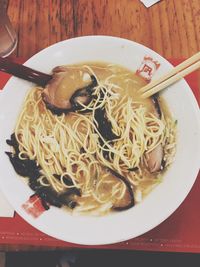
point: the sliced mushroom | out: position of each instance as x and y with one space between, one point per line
128 200
155 100
104 125
68 89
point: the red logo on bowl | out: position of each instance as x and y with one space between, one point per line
34 206
147 68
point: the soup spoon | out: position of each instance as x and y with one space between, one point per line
24 72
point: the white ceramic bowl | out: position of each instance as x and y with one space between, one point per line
164 199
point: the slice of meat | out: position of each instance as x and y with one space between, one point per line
154 158
64 84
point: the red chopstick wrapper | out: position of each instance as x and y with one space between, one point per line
179 233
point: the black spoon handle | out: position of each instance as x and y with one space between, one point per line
24 72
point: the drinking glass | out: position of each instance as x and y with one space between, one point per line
8 37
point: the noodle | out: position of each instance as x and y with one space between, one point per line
72 145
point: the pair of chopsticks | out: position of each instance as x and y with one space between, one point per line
180 71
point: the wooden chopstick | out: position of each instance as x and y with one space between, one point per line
183 69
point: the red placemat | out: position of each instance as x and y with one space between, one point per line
179 233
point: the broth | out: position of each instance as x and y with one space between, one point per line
96 159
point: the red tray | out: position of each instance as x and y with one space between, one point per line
179 233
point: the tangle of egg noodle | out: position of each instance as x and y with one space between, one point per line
72 145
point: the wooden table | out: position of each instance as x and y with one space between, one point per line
170 27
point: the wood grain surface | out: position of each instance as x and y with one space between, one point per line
170 27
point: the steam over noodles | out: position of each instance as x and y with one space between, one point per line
108 155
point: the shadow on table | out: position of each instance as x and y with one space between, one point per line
95 258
